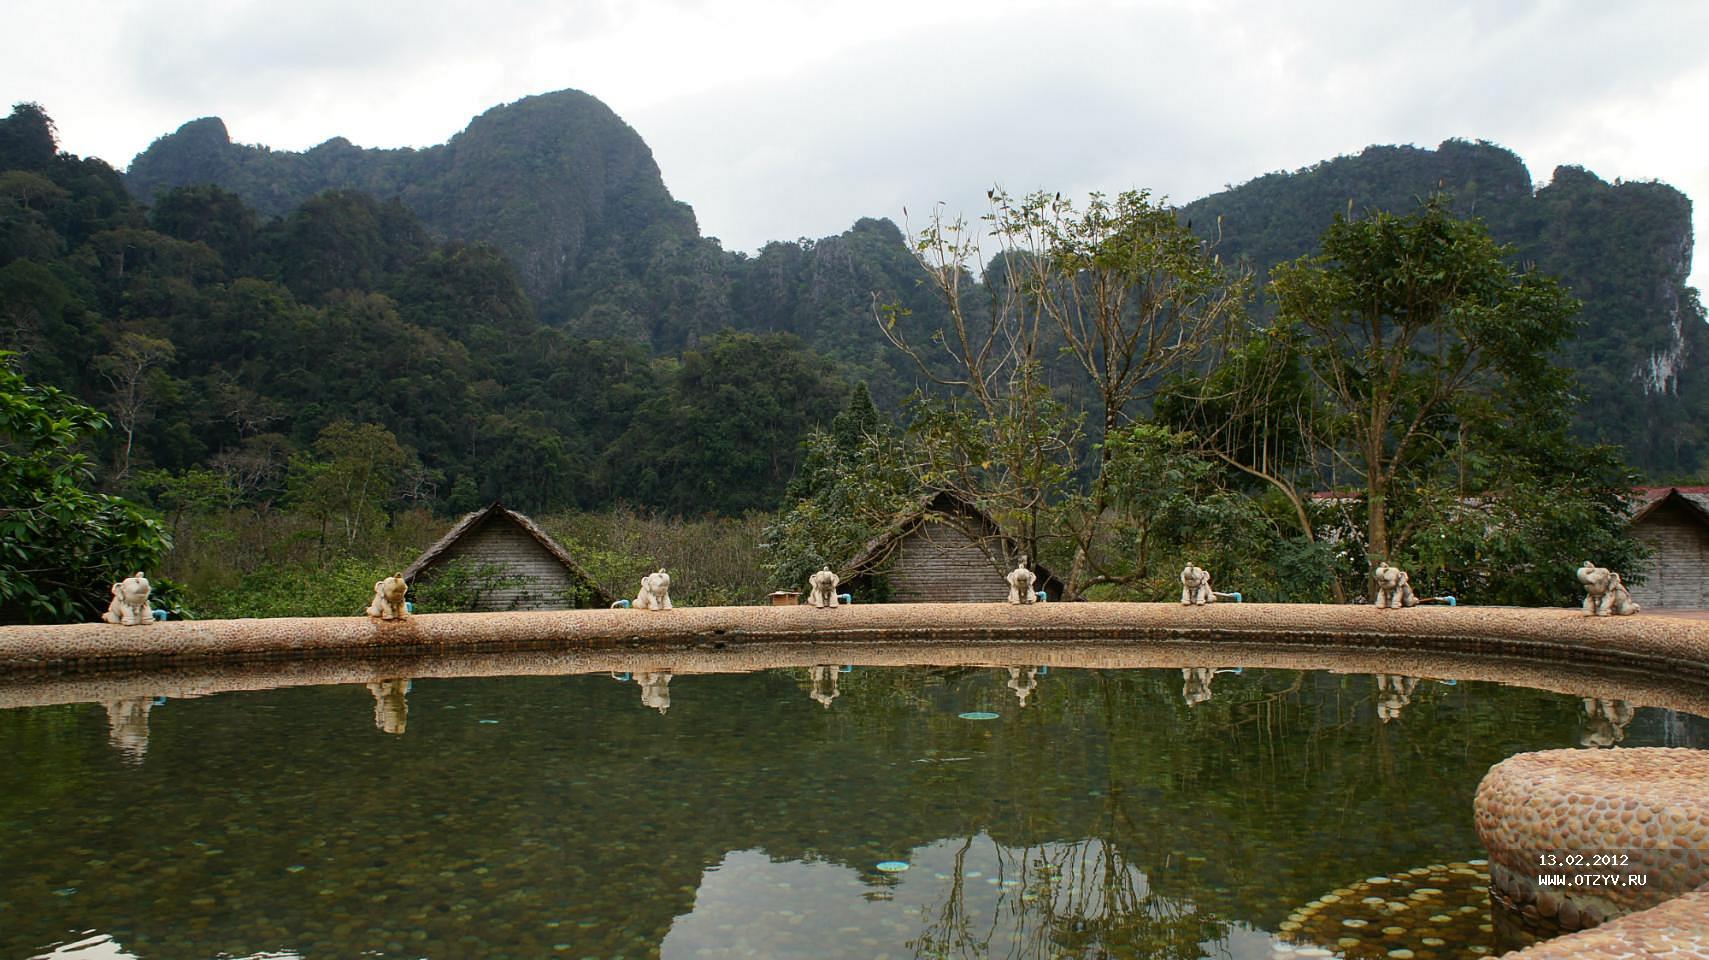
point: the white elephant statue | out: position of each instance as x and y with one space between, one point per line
1196 586
1021 582
655 592
129 605
388 602
822 588
1394 588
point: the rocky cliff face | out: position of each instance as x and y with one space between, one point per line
1622 248
573 198
554 181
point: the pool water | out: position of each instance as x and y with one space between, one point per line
867 812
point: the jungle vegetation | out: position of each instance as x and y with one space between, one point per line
302 388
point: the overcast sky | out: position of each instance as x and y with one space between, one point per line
792 119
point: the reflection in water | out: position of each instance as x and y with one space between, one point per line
91 945
545 816
1196 684
127 726
1605 722
968 897
1023 683
391 705
824 685
1394 692
655 689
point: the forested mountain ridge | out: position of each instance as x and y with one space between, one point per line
558 182
1624 249
238 355
332 368
570 194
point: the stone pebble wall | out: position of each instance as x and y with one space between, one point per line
1676 930
1642 644
1604 815
202 677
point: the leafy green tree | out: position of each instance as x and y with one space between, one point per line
61 544
1171 507
134 370
45 322
1410 366
724 436
28 140
854 481
28 202
1121 290
1623 248
343 240
1414 329
1250 413
349 481
207 214
191 493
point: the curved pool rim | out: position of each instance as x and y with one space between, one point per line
1674 646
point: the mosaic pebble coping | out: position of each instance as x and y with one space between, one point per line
1546 801
1599 814
1641 643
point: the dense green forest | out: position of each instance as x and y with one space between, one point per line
571 196
223 342
319 372
295 370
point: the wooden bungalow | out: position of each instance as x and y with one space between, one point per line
946 550
1674 523
535 571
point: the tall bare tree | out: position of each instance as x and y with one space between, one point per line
994 434
130 369
1123 289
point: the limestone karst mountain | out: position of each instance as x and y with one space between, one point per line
571 195
1622 248
558 182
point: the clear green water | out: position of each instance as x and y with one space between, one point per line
543 817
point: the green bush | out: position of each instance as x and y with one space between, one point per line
715 561
61 544
340 588
459 585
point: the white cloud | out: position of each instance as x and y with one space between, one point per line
784 119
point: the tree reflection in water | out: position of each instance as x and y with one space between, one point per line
1078 898
1106 816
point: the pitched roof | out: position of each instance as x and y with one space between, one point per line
942 504
1643 499
1650 499
497 509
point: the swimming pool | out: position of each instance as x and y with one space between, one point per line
955 809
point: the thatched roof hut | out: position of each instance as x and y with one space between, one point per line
945 550
530 570
1674 523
